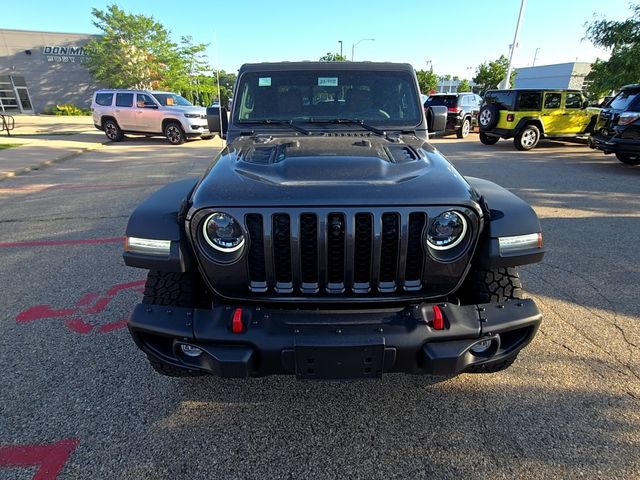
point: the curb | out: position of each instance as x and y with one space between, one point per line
61 158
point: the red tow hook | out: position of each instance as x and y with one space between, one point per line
236 322
438 318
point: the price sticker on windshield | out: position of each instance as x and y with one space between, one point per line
327 81
264 81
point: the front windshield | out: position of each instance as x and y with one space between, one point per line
389 98
171 100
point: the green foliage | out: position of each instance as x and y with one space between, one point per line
67 110
427 80
490 74
623 39
333 57
464 86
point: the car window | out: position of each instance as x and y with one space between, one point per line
171 100
503 99
552 100
573 100
441 100
104 99
624 99
143 100
529 101
124 99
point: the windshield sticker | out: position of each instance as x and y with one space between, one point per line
264 81
327 81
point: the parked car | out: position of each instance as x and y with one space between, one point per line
329 239
527 115
463 110
618 128
150 113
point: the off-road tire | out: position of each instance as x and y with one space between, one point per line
492 286
493 367
629 158
174 133
465 128
488 139
112 130
528 138
177 290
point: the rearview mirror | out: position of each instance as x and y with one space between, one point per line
436 118
217 120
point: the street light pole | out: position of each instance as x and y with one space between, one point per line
535 56
506 82
353 46
340 42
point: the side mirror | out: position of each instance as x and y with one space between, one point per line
217 120
436 118
585 104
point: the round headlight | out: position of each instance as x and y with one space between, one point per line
223 232
447 230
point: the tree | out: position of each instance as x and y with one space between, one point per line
623 39
134 51
464 86
427 80
490 74
333 57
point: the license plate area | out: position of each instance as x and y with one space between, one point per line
344 361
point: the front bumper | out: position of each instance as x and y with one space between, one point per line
614 144
334 344
195 126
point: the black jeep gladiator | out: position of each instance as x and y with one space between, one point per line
329 239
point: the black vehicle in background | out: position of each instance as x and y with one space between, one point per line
463 110
618 128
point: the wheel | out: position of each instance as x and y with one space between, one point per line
178 290
493 367
488 116
488 139
174 133
629 158
464 129
528 138
113 131
492 286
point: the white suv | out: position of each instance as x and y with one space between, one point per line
117 112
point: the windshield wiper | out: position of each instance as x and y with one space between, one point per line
352 121
286 123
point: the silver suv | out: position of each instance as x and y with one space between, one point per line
117 112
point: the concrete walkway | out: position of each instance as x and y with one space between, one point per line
41 140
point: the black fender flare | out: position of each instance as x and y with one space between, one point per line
161 217
526 120
508 216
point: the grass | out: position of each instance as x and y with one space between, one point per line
8 145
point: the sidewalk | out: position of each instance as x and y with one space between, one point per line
40 140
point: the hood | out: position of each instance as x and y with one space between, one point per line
331 169
191 109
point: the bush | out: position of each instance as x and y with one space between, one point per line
67 109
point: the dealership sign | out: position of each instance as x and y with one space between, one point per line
64 54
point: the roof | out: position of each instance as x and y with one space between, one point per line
310 66
631 86
535 90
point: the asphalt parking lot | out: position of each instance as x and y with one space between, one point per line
79 400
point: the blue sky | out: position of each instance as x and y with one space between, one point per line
452 35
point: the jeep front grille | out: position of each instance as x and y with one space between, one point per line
336 252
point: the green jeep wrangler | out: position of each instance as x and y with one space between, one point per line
526 115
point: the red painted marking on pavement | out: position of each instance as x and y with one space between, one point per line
124 286
43 311
49 457
99 306
78 325
110 327
87 298
53 243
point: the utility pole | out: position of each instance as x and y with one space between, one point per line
506 82
535 56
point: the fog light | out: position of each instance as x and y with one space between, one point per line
481 347
190 350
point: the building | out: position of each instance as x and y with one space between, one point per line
451 86
43 69
561 75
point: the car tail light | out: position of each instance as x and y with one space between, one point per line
628 117
454 109
510 117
